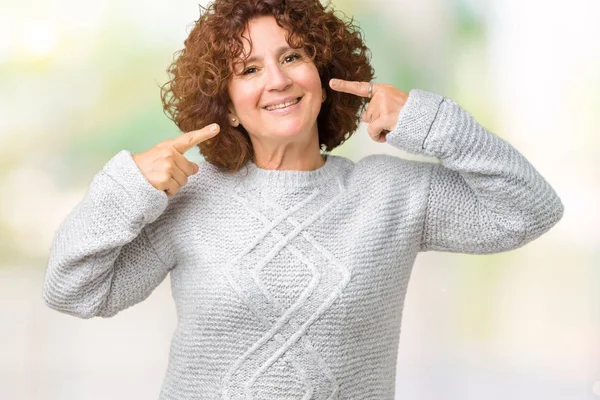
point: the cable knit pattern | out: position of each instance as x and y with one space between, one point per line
291 284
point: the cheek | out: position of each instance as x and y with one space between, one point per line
243 97
314 77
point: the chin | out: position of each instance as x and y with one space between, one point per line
291 133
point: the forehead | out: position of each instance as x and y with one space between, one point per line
262 34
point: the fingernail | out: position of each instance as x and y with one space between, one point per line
334 82
214 128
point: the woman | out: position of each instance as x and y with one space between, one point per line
288 266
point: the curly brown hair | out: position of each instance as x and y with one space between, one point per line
196 95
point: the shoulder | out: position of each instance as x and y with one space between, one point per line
389 168
388 177
383 160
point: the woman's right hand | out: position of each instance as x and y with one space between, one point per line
165 166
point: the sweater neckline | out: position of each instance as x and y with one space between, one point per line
256 176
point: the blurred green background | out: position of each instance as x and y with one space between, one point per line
79 81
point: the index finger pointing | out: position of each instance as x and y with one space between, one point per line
190 139
352 87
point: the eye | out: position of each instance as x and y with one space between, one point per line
247 71
293 56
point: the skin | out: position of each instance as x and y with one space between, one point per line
165 166
280 141
383 110
290 141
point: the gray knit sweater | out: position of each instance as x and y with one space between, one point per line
291 284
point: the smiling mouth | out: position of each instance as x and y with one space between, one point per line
284 105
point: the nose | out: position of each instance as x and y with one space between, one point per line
277 78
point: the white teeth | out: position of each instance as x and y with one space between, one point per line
289 103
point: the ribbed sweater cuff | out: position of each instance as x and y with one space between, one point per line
150 201
415 121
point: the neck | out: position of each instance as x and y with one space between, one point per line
290 156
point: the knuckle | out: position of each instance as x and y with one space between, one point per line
168 152
168 166
168 146
165 178
189 139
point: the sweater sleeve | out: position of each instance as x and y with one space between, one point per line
106 255
484 196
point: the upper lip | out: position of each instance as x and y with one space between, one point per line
281 101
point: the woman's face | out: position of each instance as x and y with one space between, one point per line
275 75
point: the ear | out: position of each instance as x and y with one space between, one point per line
232 118
324 96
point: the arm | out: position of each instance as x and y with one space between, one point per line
484 197
107 254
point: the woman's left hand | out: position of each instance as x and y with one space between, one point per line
384 107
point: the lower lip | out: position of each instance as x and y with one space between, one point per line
286 110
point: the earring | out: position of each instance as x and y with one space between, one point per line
324 96
233 119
